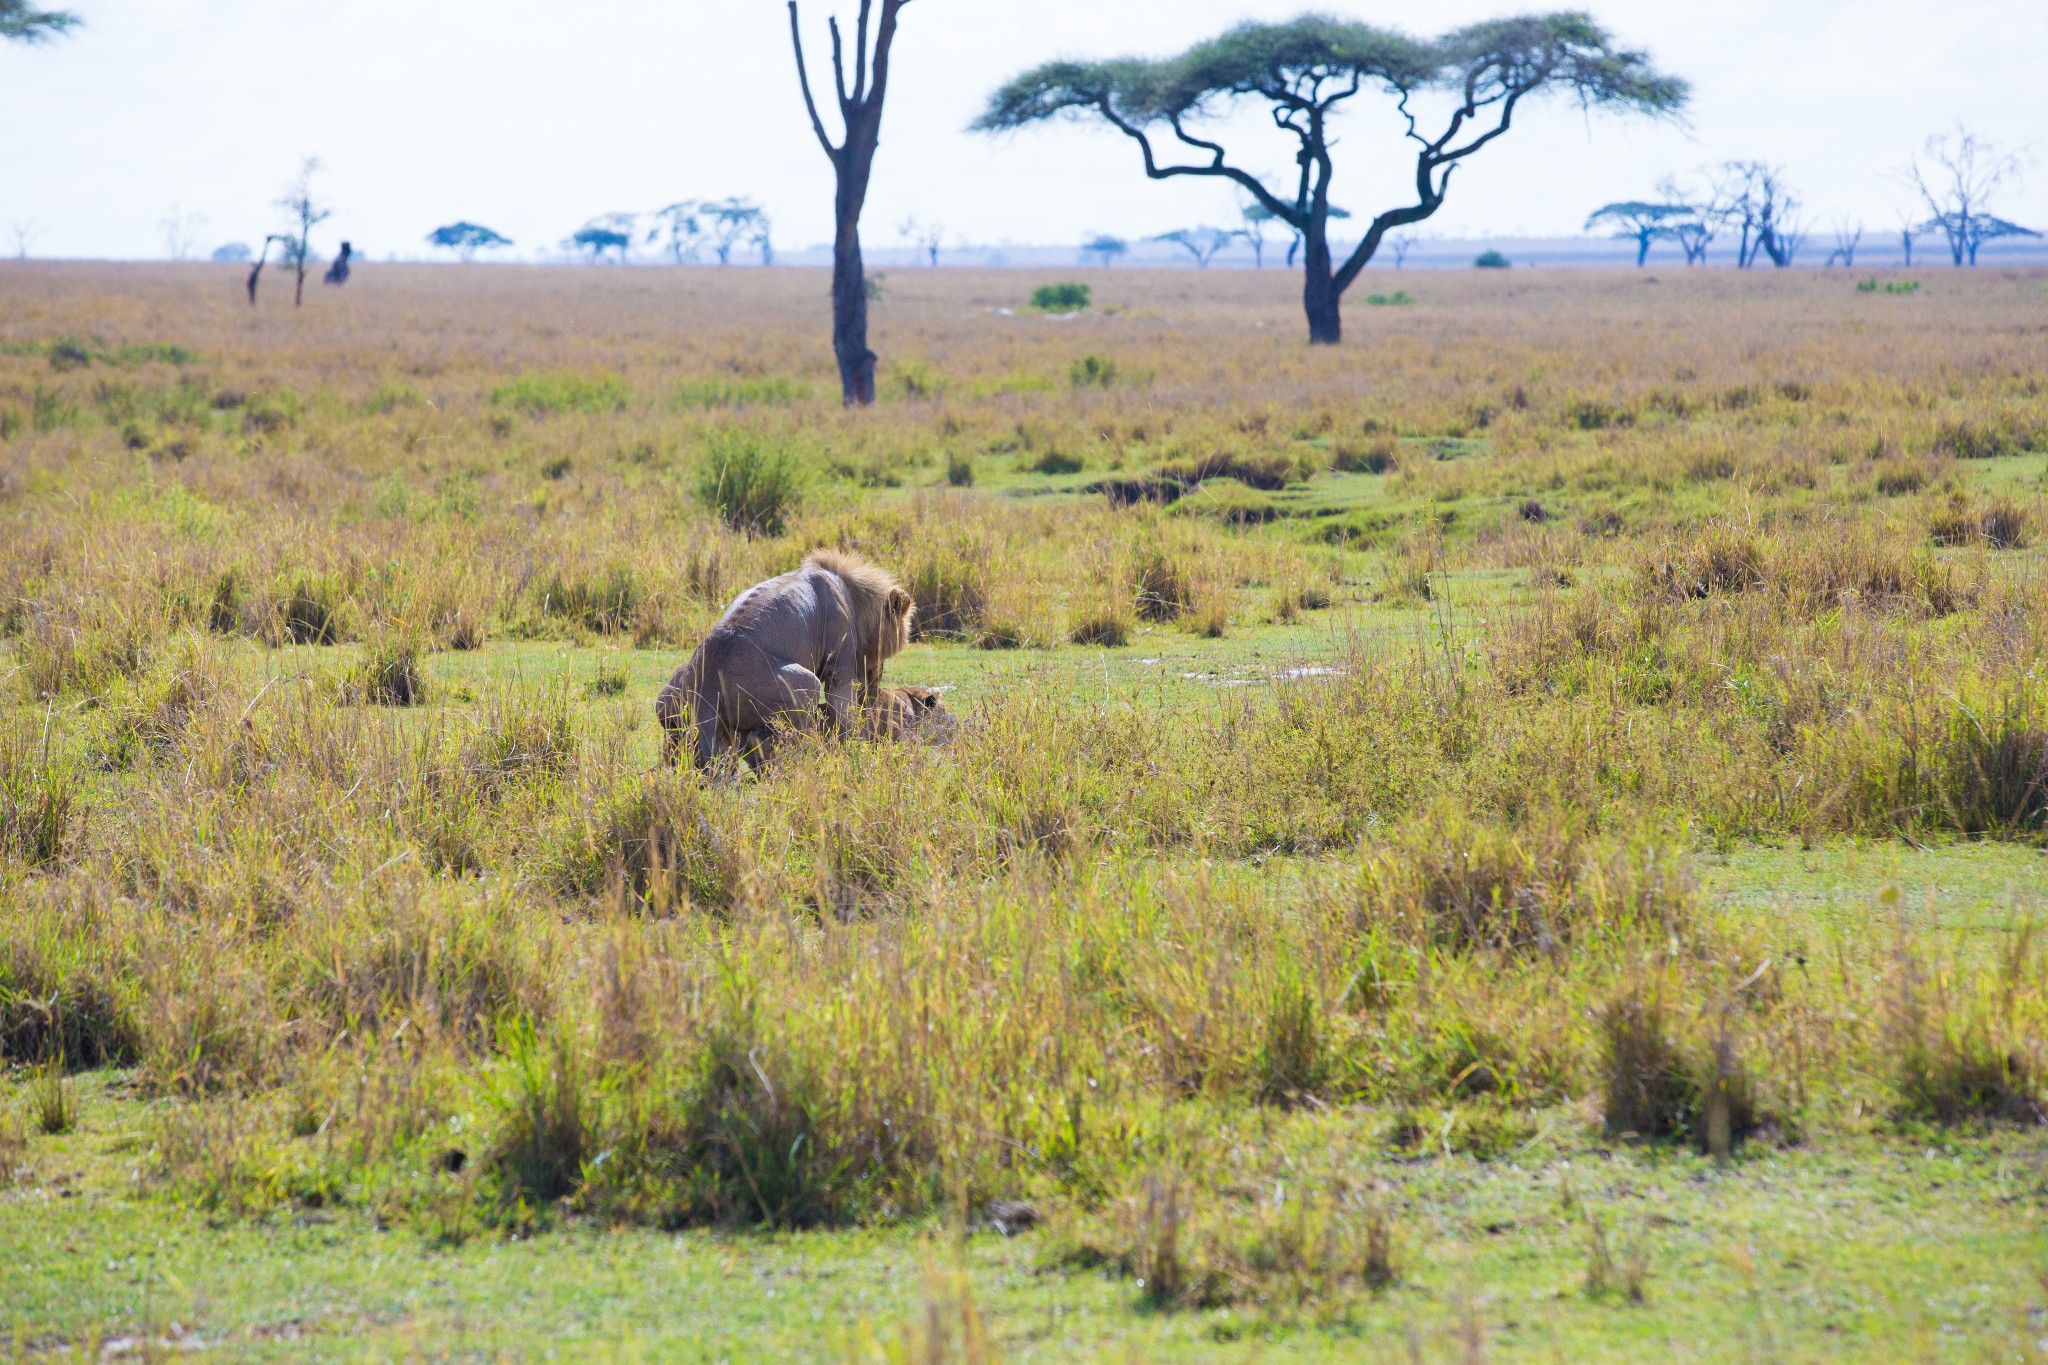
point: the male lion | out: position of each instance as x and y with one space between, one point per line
816 636
911 713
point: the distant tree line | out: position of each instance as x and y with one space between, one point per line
1752 205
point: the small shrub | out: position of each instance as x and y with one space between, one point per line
267 414
609 680
719 392
951 596
51 1103
1895 478
959 471
1491 260
390 674
604 603
1106 626
1961 1054
521 737
1061 298
1377 456
39 804
1093 372
58 998
1597 414
750 485
1056 462
1162 590
546 1121
1646 1088
1400 298
309 613
543 394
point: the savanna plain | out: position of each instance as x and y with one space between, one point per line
1516 837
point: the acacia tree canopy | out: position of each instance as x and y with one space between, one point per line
21 22
1304 69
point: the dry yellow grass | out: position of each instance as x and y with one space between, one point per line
329 786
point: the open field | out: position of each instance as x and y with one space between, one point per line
1517 837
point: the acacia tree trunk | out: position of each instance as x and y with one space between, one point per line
853 162
850 311
1320 298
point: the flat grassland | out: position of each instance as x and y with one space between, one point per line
1518 837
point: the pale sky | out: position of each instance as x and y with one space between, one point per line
533 117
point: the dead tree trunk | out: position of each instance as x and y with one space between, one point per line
853 160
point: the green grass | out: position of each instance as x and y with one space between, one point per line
1881 1246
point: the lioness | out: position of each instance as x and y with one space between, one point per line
911 713
814 637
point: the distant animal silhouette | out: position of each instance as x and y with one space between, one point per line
338 272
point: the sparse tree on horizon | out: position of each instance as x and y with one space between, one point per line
853 163
465 239
1305 69
306 213
608 232
24 231
1256 217
1754 198
1958 188
1104 248
924 238
683 224
22 23
733 222
1848 238
1400 244
181 231
1636 221
1202 243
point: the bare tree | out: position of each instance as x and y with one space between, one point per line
181 232
1962 177
1753 197
306 213
1848 237
1400 244
24 232
1908 231
925 239
1696 228
853 163
1257 218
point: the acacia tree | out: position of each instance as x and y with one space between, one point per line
1202 243
20 22
1638 222
465 239
683 224
853 163
1104 248
733 221
1305 70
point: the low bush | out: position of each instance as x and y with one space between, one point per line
1062 298
750 484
